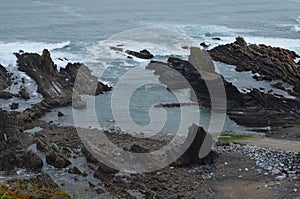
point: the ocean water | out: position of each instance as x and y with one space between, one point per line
83 31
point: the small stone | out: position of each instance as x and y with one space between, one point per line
226 163
266 186
60 114
292 172
269 168
276 172
246 169
280 178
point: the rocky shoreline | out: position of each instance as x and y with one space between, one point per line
272 173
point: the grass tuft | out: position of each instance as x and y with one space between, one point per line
234 138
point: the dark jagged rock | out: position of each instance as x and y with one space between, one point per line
279 85
60 114
5 78
53 83
250 109
191 77
273 63
216 38
86 83
116 49
144 54
6 95
105 173
14 106
54 156
57 160
39 109
204 45
20 159
138 149
195 141
174 105
12 153
24 94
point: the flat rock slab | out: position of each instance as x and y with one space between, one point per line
286 145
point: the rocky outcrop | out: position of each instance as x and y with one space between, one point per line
270 62
53 83
250 109
144 54
39 109
5 80
12 152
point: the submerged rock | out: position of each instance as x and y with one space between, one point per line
60 114
24 94
14 106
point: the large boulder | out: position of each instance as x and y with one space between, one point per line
199 144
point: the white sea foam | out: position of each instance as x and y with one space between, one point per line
8 59
7 49
297 28
160 42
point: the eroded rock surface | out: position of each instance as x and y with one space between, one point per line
250 109
270 62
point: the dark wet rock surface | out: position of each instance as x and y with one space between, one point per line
192 175
53 83
255 108
270 62
5 78
144 54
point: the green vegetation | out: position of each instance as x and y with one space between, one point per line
29 191
233 138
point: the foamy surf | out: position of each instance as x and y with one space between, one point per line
160 42
7 49
8 59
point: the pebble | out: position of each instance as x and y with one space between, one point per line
275 161
276 171
280 178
